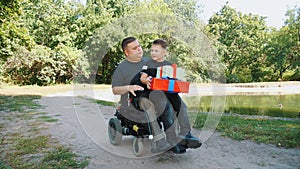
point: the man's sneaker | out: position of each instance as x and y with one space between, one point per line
178 149
159 146
190 141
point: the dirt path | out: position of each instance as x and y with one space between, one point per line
83 125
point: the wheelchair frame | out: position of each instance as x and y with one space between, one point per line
120 125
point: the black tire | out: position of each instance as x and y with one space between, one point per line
138 147
114 131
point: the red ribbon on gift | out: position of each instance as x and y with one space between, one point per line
174 66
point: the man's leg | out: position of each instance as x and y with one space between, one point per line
160 143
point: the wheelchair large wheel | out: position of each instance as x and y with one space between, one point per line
114 131
138 146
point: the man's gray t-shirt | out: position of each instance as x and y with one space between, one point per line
124 73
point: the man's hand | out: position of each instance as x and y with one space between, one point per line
132 88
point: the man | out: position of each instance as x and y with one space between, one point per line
120 86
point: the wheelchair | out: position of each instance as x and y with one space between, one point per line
130 122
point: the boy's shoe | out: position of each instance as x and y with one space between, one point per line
159 146
178 149
190 141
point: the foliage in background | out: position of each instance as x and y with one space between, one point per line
283 49
160 16
13 32
244 37
250 50
188 10
43 66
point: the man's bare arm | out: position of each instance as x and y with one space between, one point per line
119 90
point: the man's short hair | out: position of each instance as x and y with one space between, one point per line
160 42
126 41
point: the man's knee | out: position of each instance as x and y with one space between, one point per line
145 103
158 98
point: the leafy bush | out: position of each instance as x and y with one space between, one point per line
291 75
296 76
232 78
43 66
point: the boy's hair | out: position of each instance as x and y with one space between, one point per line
160 42
126 41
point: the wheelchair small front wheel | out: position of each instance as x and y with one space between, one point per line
114 131
138 146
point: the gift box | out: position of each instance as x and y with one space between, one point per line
167 71
170 85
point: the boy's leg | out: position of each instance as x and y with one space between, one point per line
185 136
167 118
182 115
170 128
165 109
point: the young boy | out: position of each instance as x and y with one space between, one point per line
158 53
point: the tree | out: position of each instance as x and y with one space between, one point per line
283 48
187 10
160 16
59 31
12 32
243 37
52 57
43 66
52 22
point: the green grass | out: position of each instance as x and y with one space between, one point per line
4 166
101 102
22 143
62 157
105 103
18 103
29 145
47 118
282 133
35 153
